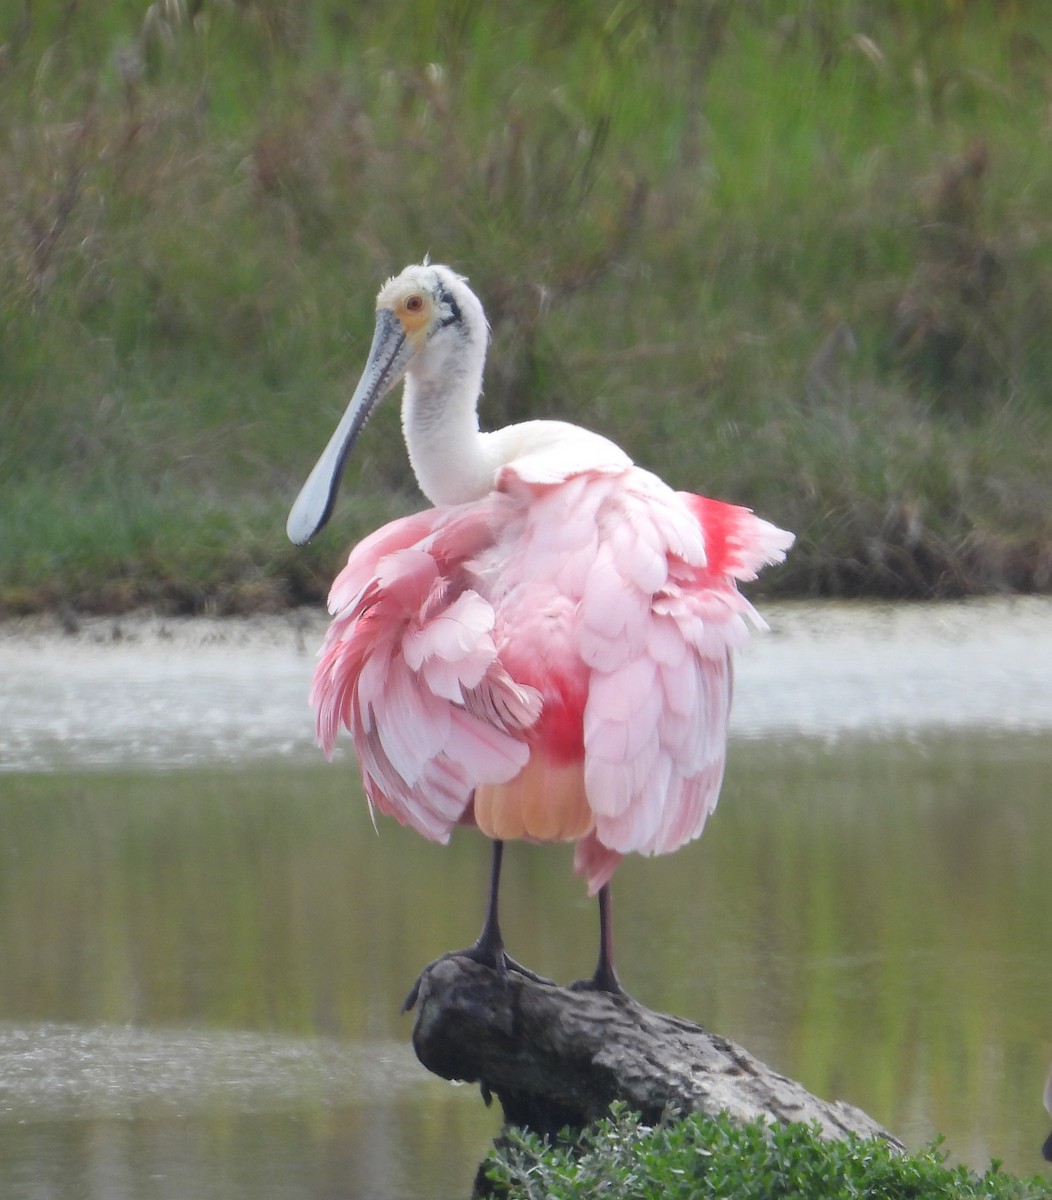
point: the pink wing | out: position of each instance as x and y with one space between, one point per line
407 659
559 650
631 596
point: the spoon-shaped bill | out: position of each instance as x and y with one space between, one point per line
389 356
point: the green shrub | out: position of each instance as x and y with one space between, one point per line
703 1158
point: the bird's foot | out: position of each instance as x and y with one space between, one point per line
604 980
481 952
605 977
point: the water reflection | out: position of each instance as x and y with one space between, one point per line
202 970
127 1111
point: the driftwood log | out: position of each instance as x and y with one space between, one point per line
558 1057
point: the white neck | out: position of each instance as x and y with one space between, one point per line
449 456
453 461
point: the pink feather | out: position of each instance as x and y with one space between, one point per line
571 616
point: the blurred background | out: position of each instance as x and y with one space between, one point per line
795 256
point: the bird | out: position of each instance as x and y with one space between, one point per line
544 654
1046 1149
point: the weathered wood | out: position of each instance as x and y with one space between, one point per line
557 1056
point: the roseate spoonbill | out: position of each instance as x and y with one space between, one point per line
546 653
1046 1149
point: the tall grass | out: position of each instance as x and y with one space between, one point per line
794 256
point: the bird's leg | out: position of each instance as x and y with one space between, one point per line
605 978
489 947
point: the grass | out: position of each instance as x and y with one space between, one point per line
796 258
703 1158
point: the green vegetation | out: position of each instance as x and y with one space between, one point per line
798 257
701 1158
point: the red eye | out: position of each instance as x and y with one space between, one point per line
414 304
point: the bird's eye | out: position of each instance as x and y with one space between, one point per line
414 304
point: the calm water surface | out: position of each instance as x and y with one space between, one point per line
201 969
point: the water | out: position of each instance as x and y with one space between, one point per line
202 967
179 692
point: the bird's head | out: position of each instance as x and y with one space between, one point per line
422 316
426 304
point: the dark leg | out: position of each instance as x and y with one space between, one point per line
605 978
489 948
